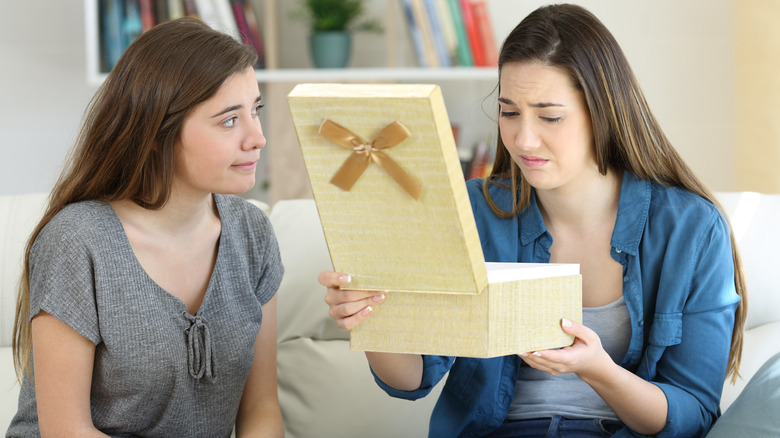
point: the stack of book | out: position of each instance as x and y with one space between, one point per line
448 33
121 21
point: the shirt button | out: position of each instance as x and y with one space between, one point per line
618 250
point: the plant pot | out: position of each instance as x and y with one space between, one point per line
330 49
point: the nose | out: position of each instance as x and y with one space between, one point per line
253 137
527 138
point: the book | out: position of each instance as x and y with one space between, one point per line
484 26
112 41
414 31
131 22
161 13
463 45
190 9
448 29
470 25
248 28
479 161
226 18
175 9
437 34
207 12
146 8
426 33
396 216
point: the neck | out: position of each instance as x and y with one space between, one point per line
583 206
182 214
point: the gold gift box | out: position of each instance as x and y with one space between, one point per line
396 216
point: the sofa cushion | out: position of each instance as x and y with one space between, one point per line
19 214
755 413
755 219
325 389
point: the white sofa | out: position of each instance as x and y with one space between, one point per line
325 389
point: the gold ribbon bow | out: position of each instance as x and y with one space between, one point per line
363 153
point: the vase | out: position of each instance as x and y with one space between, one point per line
330 49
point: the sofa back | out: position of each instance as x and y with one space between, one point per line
755 219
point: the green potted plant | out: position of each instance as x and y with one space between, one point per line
332 23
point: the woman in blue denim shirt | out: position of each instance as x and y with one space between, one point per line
584 174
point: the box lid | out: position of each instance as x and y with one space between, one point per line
394 230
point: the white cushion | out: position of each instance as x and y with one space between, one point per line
19 214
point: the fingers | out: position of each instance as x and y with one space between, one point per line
333 279
347 307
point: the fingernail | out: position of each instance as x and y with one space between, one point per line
367 310
378 298
566 323
523 354
344 279
536 353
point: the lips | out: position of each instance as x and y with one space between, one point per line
249 165
531 161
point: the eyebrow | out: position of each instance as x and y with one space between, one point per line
534 105
235 107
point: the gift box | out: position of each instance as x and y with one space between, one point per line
392 200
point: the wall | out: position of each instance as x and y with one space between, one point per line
682 53
757 146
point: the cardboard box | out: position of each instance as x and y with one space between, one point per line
391 196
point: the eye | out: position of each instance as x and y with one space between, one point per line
231 122
509 114
256 109
551 119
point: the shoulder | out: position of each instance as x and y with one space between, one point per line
499 191
83 222
682 207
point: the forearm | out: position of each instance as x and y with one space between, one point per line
640 405
400 371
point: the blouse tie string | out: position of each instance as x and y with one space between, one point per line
199 356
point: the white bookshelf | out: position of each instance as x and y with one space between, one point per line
463 88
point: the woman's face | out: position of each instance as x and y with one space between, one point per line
221 139
545 126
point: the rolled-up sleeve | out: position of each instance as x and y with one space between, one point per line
434 368
694 347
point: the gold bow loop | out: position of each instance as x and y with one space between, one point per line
363 153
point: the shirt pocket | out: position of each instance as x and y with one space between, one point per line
665 332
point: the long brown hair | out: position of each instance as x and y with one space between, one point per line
126 146
626 135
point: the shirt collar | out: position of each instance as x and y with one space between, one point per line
633 205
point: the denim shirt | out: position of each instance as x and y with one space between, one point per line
678 284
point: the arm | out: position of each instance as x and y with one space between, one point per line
349 307
63 361
259 414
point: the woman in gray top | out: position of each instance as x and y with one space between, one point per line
146 282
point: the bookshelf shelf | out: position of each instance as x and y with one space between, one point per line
377 74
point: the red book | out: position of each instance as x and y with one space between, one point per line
479 11
147 13
247 26
477 51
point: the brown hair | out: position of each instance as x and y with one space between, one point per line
126 146
626 135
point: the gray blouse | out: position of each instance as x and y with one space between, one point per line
158 371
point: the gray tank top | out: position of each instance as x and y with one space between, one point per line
541 395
